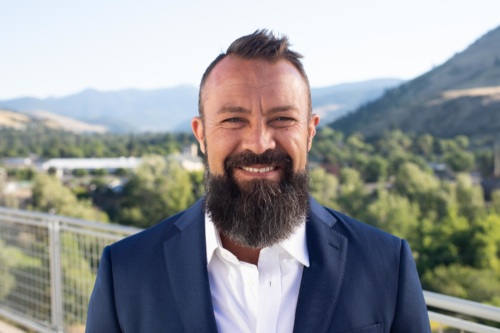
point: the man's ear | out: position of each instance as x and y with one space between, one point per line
313 122
197 127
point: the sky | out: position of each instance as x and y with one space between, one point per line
54 48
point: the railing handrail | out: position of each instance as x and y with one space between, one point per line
74 221
463 306
461 323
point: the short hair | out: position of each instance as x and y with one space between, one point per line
262 44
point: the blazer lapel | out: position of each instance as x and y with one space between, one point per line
322 280
186 263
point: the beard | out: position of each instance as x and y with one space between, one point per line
257 213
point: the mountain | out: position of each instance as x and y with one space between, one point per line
21 121
333 102
460 97
171 109
120 111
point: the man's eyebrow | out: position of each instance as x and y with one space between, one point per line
233 109
283 108
241 110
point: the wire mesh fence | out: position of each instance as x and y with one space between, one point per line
25 273
48 265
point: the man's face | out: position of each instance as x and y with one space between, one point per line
255 106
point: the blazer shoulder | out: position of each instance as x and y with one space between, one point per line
361 232
160 232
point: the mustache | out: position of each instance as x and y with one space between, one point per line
273 157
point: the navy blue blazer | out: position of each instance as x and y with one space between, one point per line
360 280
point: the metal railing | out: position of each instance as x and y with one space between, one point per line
48 265
47 268
461 307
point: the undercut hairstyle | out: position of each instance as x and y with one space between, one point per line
264 45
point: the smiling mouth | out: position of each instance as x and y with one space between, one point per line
259 170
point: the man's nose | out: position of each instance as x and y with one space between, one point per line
258 139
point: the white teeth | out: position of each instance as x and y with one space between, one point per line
259 170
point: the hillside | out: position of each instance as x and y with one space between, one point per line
334 101
172 109
120 111
22 121
462 96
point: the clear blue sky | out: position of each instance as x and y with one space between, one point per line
54 48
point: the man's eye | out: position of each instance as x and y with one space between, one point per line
233 123
232 120
282 121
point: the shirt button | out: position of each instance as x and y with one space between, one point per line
251 282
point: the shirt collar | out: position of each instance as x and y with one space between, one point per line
295 245
212 238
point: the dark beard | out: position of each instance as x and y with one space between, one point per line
257 213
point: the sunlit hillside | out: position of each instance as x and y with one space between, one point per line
462 96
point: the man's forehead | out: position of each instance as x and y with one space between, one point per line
240 82
251 71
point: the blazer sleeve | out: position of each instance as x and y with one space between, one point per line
411 312
102 316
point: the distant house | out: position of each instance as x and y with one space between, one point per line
188 159
18 162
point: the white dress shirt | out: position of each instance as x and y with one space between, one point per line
256 299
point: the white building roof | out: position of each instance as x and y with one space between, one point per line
188 162
92 163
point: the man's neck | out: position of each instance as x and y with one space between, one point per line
243 253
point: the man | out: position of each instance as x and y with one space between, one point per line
256 253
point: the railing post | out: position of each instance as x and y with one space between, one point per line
56 275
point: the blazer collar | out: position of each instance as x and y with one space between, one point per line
322 280
186 263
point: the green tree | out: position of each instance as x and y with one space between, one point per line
356 142
50 195
352 193
197 183
485 243
495 202
157 190
323 187
80 172
394 143
460 160
450 240
470 199
462 141
443 146
425 145
121 172
375 169
424 189
394 214
99 172
485 164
